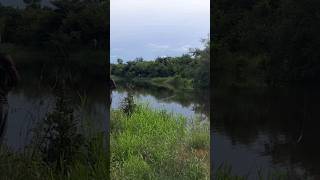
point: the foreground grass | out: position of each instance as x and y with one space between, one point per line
153 144
91 163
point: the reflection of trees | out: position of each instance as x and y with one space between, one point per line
40 77
199 100
281 115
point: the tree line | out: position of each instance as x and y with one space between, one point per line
265 42
66 24
194 66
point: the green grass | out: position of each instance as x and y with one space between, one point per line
92 163
154 144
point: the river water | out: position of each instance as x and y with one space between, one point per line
267 129
164 101
251 129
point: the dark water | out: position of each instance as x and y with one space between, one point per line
31 101
35 96
29 108
268 130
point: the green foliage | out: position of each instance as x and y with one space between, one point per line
64 27
265 42
153 144
59 139
128 105
199 138
136 168
178 70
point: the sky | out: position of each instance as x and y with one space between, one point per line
156 28
153 28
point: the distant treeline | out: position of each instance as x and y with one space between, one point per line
194 66
67 24
266 42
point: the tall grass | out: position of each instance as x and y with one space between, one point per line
154 144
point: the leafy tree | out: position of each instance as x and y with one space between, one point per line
193 67
120 61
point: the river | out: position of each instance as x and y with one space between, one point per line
251 129
267 130
189 105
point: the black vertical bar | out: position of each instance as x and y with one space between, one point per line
108 90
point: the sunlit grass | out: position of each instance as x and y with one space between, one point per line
154 144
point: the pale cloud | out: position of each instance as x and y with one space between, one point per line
116 49
153 28
184 48
158 46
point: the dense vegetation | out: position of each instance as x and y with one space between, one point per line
154 144
265 42
186 70
64 26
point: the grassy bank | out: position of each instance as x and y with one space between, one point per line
153 144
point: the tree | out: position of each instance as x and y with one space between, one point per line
120 61
32 3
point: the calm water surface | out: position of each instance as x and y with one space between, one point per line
163 103
251 129
268 130
30 102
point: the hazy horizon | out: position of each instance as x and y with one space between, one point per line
153 28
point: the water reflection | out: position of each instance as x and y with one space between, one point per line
267 128
35 97
188 104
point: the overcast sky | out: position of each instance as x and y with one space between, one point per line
152 28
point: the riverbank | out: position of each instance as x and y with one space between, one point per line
154 144
175 84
